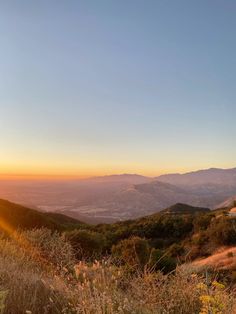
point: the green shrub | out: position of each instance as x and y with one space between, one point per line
87 245
159 260
222 231
134 252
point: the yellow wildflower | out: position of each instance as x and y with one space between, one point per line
218 284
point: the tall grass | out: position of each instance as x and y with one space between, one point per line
46 279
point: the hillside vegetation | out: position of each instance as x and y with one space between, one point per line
48 279
141 266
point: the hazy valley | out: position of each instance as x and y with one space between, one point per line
121 197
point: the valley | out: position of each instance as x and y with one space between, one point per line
121 197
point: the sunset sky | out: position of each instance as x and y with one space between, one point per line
100 87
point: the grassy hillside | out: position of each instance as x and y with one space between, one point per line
51 281
136 266
178 232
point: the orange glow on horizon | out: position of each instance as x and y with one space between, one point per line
68 176
85 175
48 173
41 177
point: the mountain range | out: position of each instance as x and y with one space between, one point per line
120 197
214 176
205 188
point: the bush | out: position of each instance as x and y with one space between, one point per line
51 246
87 245
134 252
100 287
202 222
176 250
230 254
159 260
222 231
30 272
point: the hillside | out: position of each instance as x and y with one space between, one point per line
151 196
194 229
180 231
17 216
228 203
222 258
49 264
185 209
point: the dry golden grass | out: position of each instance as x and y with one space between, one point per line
29 284
224 258
233 210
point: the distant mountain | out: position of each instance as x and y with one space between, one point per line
213 176
125 178
126 196
213 186
136 201
150 197
180 208
14 216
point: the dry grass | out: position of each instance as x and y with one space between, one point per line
224 258
49 284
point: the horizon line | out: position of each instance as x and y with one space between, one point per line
32 176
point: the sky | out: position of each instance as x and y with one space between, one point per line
93 87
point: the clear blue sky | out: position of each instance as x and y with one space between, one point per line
91 87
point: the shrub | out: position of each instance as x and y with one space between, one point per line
28 278
159 260
52 246
100 287
202 222
230 254
222 231
87 245
176 250
134 252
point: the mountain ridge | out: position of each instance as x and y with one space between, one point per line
202 176
125 196
14 216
